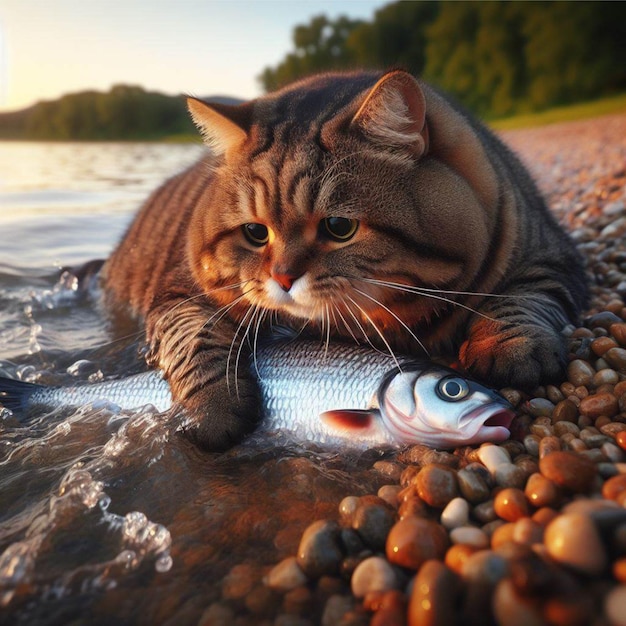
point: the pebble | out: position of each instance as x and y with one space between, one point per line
572 539
580 373
471 536
347 508
565 411
615 606
319 551
616 357
540 407
455 514
615 489
457 555
414 540
485 567
286 575
540 491
569 470
373 574
528 531
512 609
493 456
474 487
510 504
437 485
432 601
372 521
509 475
599 404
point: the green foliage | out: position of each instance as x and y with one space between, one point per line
496 58
125 112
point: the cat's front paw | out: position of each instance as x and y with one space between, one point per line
219 416
523 356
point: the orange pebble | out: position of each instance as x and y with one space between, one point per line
457 555
620 439
510 504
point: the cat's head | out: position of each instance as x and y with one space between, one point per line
331 194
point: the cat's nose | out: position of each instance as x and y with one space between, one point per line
284 279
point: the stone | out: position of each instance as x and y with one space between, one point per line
373 574
491 456
474 488
286 575
347 508
512 609
372 521
599 404
471 536
414 540
320 551
573 540
615 605
565 411
485 567
540 491
510 504
437 485
580 373
569 470
615 488
616 357
433 598
455 514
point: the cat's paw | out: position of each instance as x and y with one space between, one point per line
219 416
523 356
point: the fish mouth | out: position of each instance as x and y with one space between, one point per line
494 422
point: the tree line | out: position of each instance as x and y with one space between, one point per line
497 58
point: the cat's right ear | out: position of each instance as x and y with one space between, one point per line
223 126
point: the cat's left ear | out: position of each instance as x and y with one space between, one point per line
223 126
393 115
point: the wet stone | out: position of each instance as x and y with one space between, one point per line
486 567
347 508
493 456
473 487
569 470
437 485
455 514
510 504
457 555
618 330
540 407
471 536
372 521
580 373
389 493
319 551
616 357
510 476
605 376
615 489
414 540
432 599
573 540
540 491
604 319
373 574
286 575
512 609
615 606
600 345
599 404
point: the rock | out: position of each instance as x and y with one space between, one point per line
373 574
528 531
599 404
347 508
414 540
473 486
569 470
492 456
540 407
580 373
372 520
616 357
471 536
433 598
457 555
566 411
485 567
615 489
573 540
509 475
286 575
455 514
320 551
618 331
336 607
512 609
510 504
540 491
437 485
615 606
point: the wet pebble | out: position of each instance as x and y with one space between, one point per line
373 574
372 520
599 404
286 575
580 373
569 470
615 489
615 606
485 567
540 491
414 540
432 599
474 487
492 457
540 407
319 551
455 514
510 504
437 485
616 357
572 539
471 536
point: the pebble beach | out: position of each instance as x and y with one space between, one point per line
528 532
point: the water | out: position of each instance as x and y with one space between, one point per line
106 514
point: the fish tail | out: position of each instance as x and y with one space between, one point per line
14 394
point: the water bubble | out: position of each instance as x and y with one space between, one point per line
81 367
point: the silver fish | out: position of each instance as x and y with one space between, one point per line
344 394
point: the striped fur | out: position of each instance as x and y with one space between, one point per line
445 214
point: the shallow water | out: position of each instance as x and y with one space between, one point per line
105 513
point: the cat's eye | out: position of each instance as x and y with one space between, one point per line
452 388
256 234
339 228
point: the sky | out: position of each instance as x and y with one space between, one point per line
202 47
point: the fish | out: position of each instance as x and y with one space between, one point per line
339 393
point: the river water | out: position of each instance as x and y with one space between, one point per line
109 515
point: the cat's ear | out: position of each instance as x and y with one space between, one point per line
393 115
223 126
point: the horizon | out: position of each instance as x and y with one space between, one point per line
50 50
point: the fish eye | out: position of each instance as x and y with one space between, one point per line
452 388
256 234
339 228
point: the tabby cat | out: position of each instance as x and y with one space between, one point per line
362 206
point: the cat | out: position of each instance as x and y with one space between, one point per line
361 206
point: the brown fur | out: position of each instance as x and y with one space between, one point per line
441 204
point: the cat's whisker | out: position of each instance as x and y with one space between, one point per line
260 318
400 321
377 330
327 342
255 314
431 293
344 322
244 320
359 325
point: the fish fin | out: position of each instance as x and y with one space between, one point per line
14 394
349 419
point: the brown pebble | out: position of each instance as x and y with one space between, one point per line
620 438
615 606
544 515
618 331
600 345
619 569
512 609
570 610
373 520
502 535
510 504
473 486
540 491
569 470
510 476
319 551
599 404
457 555
580 373
414 540
565 411
433 599
616 357
615 488
548 445
573 540
527 531
437 485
